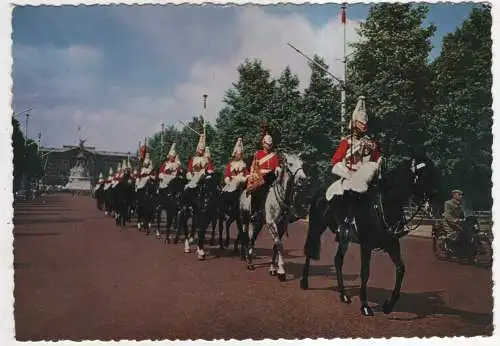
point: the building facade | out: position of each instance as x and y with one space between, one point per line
57 162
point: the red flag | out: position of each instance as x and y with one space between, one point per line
342 15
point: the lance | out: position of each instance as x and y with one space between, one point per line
204 114
341 82
189 127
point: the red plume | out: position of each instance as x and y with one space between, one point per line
263 128
144 149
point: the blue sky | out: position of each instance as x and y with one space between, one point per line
120 71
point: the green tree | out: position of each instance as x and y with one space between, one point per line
248 103
288 115
18 152
321 121
32 162
460 125
390 68
186 141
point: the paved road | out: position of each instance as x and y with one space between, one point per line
78 277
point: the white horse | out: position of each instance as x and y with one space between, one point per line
280 202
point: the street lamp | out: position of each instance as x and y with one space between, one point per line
26 134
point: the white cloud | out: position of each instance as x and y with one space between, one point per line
264 37
126 120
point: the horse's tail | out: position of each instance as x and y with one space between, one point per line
316 226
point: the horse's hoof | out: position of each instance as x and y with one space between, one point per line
272 272
250 267
366 311
282 277
387 307
304 284
344 298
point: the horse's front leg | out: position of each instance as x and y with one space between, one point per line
203 222
276 266
158 220
170 216
395 254
233 216
366 254
239 236
343 238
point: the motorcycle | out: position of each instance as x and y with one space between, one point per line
472 243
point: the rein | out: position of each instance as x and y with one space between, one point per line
281 192
398 226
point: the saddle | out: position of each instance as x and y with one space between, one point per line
255 179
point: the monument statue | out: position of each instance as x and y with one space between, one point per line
79 179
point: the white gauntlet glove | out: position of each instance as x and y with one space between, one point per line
341 170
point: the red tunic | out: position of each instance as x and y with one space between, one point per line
230 172
343 148
209 167
267 163
168 171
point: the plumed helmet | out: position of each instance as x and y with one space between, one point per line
359 114
238 147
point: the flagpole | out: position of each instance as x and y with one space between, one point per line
204 115
343 92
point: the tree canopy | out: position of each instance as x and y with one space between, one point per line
443 106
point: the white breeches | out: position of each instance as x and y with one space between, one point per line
234 183
195 179
355 181
165 179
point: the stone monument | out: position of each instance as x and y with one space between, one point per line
79 179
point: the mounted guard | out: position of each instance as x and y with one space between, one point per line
118 174
109 179
264 170
170 168
236 172
199 165
357 158
146 173
100 181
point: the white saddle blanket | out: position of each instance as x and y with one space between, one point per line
195 180
141 182
165 179
234 184
358 182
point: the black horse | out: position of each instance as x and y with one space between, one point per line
169 200
376 221
200 204
123 194
99 196
229 211
206 207
146 205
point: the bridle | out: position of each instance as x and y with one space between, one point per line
281 193
399 226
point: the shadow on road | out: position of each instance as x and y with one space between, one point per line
47 220
295 269
422 304
29 234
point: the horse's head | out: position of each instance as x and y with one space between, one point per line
295 167
208 189
422 179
